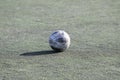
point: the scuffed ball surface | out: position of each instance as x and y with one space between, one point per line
59 40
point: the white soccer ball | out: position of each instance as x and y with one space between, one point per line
59 40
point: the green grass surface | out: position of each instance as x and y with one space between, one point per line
94 28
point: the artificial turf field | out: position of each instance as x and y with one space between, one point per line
94 28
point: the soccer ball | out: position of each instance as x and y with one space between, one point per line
59 40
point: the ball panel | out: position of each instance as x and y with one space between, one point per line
61 40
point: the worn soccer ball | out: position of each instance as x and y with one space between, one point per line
59 40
